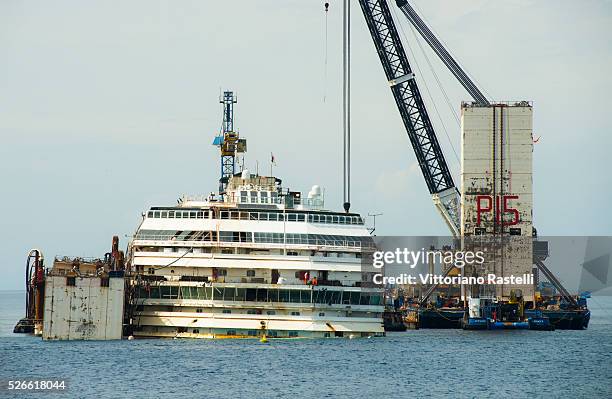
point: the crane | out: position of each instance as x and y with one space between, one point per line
410 103
414 115
228 140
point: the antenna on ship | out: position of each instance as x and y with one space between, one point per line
228 140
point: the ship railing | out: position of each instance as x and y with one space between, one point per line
310 241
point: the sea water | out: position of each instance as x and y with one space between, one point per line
421 363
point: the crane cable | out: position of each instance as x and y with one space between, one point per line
189 250
427 87
479 86
346 97
325 57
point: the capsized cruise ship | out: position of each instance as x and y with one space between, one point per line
256 261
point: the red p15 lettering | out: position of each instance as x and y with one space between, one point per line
484 204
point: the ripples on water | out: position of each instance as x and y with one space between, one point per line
424 363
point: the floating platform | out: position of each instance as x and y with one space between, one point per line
448 318
440 318
564 319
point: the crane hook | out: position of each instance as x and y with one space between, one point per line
326 6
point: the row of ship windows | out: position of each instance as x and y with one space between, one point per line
323 296
265 216
257 237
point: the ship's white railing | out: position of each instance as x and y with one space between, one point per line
259 238
310 241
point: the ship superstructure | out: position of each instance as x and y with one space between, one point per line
261 260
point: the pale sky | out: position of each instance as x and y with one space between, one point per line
109 107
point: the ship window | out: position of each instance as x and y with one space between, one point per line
294 314
156 214
262 294
272 295
272 216
292 217
240 294
154 292
321 314
196 331
222 272
204 292
227 311
243 196
179 215
234 215
301 217
169 292
164 215
199 310
171 214
189 293
244 216
228 295
151 270
150 214
192 215
283 295
231 332
251 311
200 215
253 215
71 281
295 296
224 215
250 273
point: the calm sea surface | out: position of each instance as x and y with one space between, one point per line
423 363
